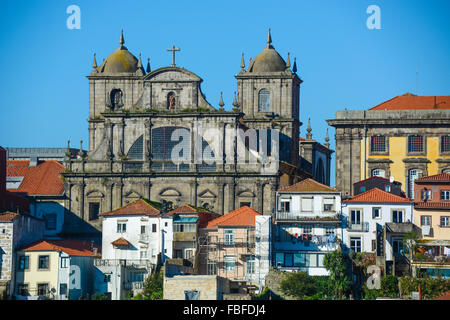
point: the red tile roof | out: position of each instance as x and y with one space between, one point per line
410 101
121 242
376 195
8 216
308 185
432 205
42 179
443 296
136 208
442 177
71 247
244 216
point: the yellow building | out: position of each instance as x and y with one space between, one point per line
406 138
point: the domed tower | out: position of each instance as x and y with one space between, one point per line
268 95
113 86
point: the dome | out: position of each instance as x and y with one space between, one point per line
267 61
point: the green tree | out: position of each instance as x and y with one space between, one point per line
153 287
299 285
338 264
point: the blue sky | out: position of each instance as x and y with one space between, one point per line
343 64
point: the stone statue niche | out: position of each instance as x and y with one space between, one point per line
115 100
171 101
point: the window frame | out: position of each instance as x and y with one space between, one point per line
443 192
264 92
373 144
444 218
379 213
403 217
228 237
422 220
441 144
423 142
360 243
27 259
39 262
120 227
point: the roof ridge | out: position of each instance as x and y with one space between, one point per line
384 102
232 214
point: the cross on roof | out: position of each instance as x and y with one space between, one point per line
173 49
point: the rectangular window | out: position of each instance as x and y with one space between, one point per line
299 259
311 260
427 194
329 230
42 289
378 144
445 194
355 217
50 221
143 230
154 227
211 266
107 278
320 258
355 244
121 227
374 245
63 288
285 206
415 144
250 265
307 204
307 229
327 207
143 253
229 237
43 262
22 289
279 259
189 253
24 262
64 262
94 210
288 259
445 144
397 246
376 213
445 221
425 220
230 263
397 216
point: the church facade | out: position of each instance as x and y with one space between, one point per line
134 115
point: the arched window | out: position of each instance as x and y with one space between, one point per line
412 176
136 151
378 173
264 100
171 101
116 98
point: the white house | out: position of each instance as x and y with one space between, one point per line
307 225
135 238
366 215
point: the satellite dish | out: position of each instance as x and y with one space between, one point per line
391 179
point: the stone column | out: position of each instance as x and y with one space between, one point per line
81 185
148 145
221 200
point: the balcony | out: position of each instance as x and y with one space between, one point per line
358 227
135 263
143 238
184 236
329 216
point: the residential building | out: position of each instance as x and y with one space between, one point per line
307 225
187 220
16 230
376 221
56 269
432 215
135 239
41 183
388 185
236 246
406 137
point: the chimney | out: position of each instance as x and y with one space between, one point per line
33 161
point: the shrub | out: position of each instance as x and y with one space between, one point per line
430 287
299 285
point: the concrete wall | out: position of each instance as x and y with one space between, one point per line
209 287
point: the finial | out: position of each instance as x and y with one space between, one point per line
94 64
221 104
288 62
122 41
309 135
242 61
294 68
139 61
81 149
235 103
327 139
68 149
148 65
269 38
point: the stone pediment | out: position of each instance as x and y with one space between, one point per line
94 194
172 74
170 192
132 194
246 194
207 194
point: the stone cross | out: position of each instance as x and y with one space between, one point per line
173 49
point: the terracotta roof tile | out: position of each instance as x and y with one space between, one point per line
42 179
376 195
244 216
8 216
410 101
121 242
71 247
136 208
308 185
442 177
432 205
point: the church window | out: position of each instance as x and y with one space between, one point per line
94 208
378 144
415 144
171 101
116 98
264 100
445 144
136 151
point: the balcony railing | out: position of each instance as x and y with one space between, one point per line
361 227
137 263
327 216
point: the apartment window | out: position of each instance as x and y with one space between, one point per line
362 189
285 206
24 262
189 253
154 227
445 221
378 173
397 216
376 213
43 262
413 175
279 259
143 230
427 194
299 260
387 188
64 262
143 253
42 289
250 265
211 266
107 278
355 244
374 245
94 209
329 230
445 194
425 220
378 144
307 229
63 288
121 227
22 289
445 144
50 221
397 246
184 227
355 216
415 144
328 207
230 263
229 237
